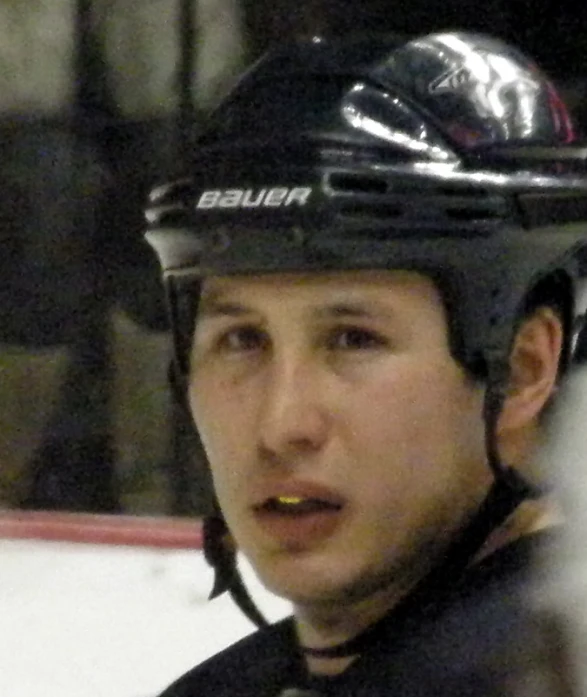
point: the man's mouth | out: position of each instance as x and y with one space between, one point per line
300 519
297 505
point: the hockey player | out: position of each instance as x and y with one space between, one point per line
371 272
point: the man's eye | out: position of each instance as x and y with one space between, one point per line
242 339
354 338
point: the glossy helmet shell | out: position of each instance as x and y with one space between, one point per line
450 154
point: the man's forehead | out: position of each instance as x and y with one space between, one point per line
346 292
215 286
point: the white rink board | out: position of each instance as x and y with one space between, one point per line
81 620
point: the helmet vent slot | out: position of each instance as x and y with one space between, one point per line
470 214
462 191
351 183
372 210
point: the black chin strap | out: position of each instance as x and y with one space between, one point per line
521 489
220 553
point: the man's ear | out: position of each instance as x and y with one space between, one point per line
534 363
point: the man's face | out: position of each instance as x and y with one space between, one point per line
346 444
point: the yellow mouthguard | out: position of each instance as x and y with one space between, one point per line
291 500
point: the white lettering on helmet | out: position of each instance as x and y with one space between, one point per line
231 198
208 199
253 199
299 195
275 197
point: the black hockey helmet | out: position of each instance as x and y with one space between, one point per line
450 154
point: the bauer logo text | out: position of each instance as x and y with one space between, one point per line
274 197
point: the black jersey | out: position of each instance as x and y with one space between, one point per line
465 644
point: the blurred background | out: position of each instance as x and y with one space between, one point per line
99 101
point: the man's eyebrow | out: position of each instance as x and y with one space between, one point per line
213 305
352 309
342 309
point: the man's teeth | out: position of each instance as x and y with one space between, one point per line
290 500
298 504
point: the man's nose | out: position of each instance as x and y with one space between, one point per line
295 419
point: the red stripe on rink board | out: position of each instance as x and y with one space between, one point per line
137 531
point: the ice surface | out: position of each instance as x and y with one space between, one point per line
80 620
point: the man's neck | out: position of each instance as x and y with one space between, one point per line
326 626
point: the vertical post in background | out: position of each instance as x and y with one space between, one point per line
187 485
185 76
74 468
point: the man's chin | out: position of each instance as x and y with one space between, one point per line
301 585
322 588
